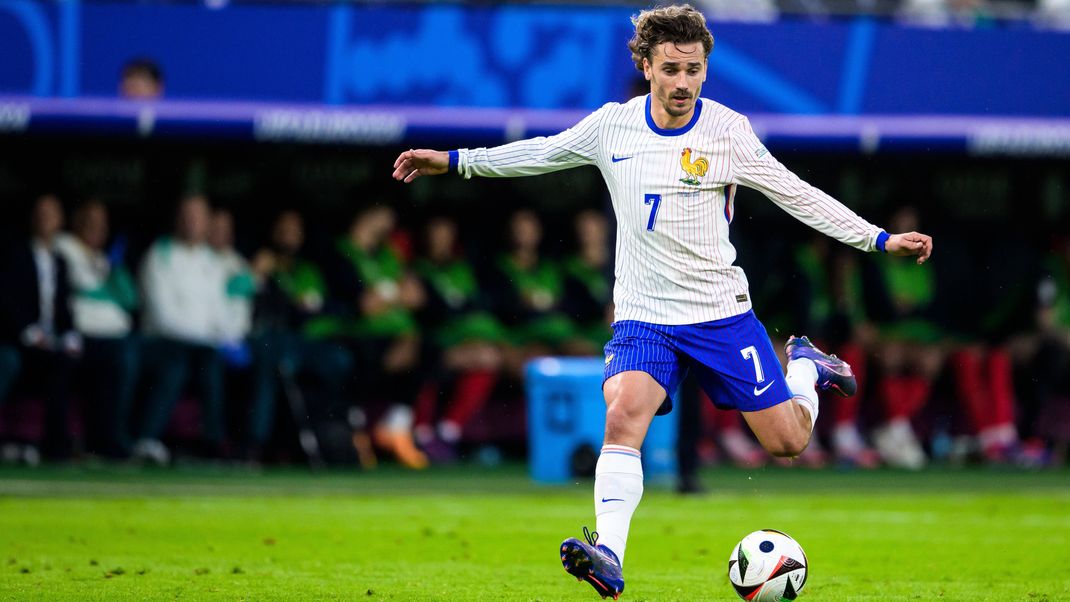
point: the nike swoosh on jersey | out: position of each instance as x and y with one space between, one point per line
758 392
617 159
611 499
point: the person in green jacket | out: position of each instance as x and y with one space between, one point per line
913 348
588 284
376 297
464 340
293 338
527 292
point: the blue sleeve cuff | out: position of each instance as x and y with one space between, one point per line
882 239
454 158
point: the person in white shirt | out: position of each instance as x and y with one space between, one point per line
672 161
104 295
241 283
39 347
183 284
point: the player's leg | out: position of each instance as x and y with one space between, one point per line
783 430
788 426
632 399
640 369
738 367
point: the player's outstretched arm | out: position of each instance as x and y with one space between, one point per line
910 244
412 164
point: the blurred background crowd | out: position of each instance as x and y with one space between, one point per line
406 339
930 13
1048 14
234 301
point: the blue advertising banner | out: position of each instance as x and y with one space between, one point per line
512 56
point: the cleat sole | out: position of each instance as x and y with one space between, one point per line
578 563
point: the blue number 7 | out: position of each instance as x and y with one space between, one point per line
654 199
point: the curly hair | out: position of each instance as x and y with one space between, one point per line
677 24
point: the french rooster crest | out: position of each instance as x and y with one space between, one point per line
694 169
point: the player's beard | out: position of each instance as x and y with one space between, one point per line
668 102
678 110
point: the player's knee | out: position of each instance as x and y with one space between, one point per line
625 423
787 445
622 412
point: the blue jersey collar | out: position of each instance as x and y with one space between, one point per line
673 132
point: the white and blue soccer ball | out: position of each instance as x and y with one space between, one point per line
767 566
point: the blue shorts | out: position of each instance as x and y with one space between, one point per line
732 358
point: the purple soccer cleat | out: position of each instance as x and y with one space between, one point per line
832 373
595 564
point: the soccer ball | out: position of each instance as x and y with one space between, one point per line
767 566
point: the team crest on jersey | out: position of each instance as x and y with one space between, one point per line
694 168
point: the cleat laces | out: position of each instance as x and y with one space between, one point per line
590 536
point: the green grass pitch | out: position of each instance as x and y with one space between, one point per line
481 534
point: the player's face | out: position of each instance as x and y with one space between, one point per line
676 73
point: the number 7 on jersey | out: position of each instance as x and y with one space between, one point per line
655 200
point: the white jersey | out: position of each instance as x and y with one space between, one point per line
673 194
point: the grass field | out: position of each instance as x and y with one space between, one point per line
482 534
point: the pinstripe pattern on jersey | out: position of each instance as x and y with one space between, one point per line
681 271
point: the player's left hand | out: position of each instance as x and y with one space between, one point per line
910 244
412 164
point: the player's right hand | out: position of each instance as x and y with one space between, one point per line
412 164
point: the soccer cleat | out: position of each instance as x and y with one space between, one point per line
832 372
595 564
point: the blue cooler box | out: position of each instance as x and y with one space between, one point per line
567 413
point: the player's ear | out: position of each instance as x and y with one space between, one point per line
646 69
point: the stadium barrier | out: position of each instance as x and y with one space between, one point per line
386 126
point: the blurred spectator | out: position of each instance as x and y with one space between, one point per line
901 301
241 286
942 13
1054 14
184 286
464 338
292 338
1045 356
379 296
829 310
142 79
527 292
104 297
39 346
588 285
751 11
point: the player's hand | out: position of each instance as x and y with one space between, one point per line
910 244
412 164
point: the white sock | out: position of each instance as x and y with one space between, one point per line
618 487
802 382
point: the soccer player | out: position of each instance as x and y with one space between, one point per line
672 161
